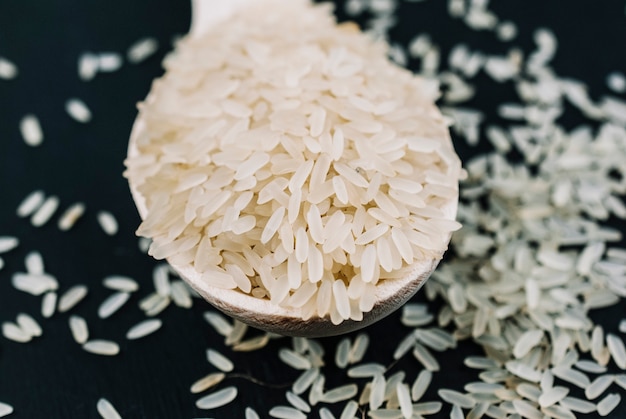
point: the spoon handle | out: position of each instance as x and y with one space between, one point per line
205 13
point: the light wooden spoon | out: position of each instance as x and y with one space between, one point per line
391 294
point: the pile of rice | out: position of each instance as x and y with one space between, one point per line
286 157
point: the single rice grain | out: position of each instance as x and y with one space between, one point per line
48 304
207 382
102 347
72 297
120 283
219 361
608 404
106 410
112 304
141 50
8 70
286 412
8 243
107 222
34 263
217 399
45 211
617 350
251 413
5 409
79 329
30 204
31 130
143 329
71 215
77 110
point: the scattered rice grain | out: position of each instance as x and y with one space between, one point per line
219 361
106 410
218 399
102 347
143 329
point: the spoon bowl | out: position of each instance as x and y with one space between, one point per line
390 294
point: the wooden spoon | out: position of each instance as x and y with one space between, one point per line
390 295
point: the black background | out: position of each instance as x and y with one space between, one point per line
52 377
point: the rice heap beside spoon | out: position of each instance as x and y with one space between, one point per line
285 156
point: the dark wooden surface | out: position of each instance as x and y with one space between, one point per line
52 377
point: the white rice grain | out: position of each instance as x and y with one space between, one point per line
298 402
120 283
30 204
109 62
377 392
79 329
427 408
599 386
72 297
526 410
160 278
77 110
219 361
143 329
207 382
305 380
252 344
349 410
102 347
454 397
251 413
286 412
552 395
340 393
45 211
8 70
590 366
31 130
294 359
112 304
180 294
71 215
342 353
617 350
526 342
218 399
571 376
8 243
87 66
106 410
404 399
424 356
325 413
35 284
34 263
608 404
107 222
141 50
578 405
48 304
5 409
366 370
420 385
359 347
